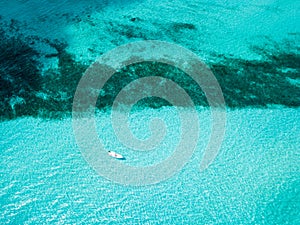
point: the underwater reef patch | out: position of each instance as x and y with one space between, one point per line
27 90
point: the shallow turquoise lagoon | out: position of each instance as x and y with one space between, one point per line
252 49
254 180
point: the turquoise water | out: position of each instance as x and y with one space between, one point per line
254 180
252 49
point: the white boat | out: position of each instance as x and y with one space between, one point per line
115 155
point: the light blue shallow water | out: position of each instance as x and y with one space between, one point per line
254 180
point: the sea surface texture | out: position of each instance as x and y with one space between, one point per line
250 47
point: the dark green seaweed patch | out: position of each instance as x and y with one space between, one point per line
183 26
25 91
145 69
60 85
19 76
272 81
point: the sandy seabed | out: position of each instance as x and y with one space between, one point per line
254 177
